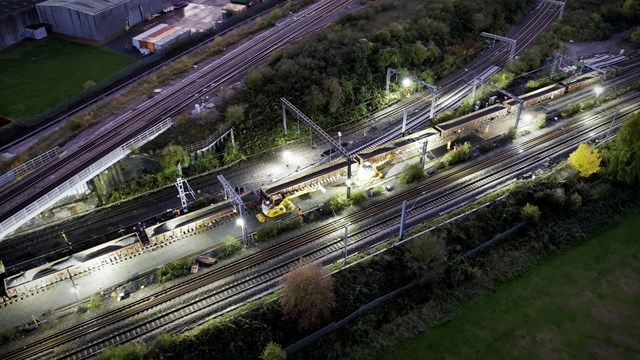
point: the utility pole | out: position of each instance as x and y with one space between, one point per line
239 206
615 115
517 99
346 239
424 152
404 122
510 42
433 88
183 189
75 287
402 220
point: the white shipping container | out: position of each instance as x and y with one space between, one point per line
136 39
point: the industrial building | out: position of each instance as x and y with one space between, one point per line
15 15
95 19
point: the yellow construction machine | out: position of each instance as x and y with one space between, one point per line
368 171
276 205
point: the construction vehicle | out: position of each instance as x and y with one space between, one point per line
277 205
368 171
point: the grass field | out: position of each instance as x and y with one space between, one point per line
581 304
38 75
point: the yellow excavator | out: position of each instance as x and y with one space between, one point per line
276 205
368 171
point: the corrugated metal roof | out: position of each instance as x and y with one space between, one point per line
86 6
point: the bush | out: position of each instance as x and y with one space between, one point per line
427 257
358 197
96 302
457 155
171 155
575 201
531 212
123 352
444 116
173 270
267 231
273 351
412 173
541 123
307 295
335 204
230 247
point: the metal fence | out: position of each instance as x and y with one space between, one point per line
336 325
28 166
205 145
23 215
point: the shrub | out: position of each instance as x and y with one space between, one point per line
230 246
96 302
173 270
531 212
273 351
133 351
307 295
171 155
266 232
457 155
541 123
575 201
335 204
412 173
358 197
444 116
427 257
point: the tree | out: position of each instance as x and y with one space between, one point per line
307 295
623 159
171 155
427 257
635 36
531 212
273 351
412 173
585 160
235 113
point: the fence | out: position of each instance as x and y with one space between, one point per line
336 325
23 215
201 147
28 166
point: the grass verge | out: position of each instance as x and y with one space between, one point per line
38 75
582 303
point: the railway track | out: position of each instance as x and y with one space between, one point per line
542 19
28 183
456 176
128 82
541 15
167 105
